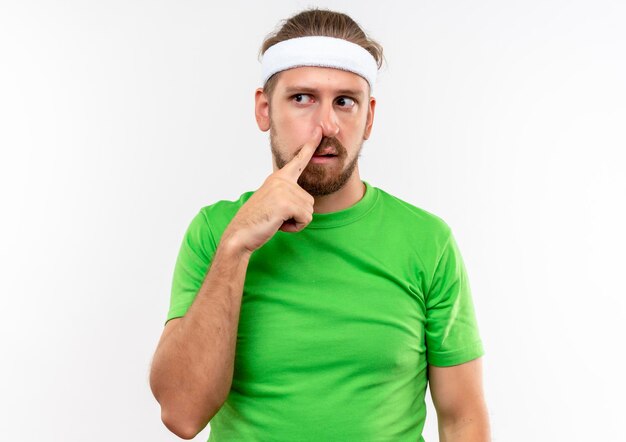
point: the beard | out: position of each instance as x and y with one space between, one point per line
319 179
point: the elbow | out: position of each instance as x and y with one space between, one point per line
184 430
183 415
178 428
186 424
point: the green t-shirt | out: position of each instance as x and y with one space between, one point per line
338 321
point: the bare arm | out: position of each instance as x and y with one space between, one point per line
457 394
192 369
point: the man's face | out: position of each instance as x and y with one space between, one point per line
337 101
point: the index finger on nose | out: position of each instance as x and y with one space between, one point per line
293 169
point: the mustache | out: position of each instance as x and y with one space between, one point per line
331 142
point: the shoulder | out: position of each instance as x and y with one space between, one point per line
414 220
225 207
217 216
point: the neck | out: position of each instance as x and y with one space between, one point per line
347 196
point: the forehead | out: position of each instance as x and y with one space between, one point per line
322 79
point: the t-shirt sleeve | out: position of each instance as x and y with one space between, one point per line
194 258
452 335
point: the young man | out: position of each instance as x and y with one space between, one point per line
318 307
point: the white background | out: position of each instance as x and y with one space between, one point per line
120 119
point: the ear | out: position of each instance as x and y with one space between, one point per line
370 118
262 110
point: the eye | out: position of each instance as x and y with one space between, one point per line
302 98
346 102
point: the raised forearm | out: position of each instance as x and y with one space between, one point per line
192 369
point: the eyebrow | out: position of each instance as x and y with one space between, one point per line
310 90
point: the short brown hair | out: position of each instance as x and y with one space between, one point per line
319 22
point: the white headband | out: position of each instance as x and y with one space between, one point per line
319 51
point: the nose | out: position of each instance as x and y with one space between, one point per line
328 120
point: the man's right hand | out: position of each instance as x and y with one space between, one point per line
279 204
